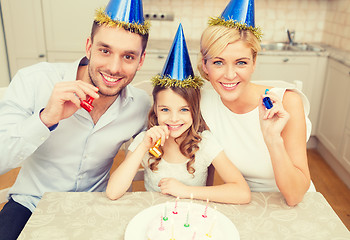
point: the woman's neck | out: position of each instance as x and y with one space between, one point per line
247 101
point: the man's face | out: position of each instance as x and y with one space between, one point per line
114 57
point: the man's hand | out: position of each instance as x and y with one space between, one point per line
65 101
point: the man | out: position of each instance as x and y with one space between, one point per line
60 145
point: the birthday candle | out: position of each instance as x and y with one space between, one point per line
165 218
212 225
206 209
175 208
161 228
187 217
172 231
194 235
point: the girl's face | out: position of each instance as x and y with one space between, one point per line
231 70
173 111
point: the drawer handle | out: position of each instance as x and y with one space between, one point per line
160 56
286 60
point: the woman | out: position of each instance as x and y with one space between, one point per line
267 145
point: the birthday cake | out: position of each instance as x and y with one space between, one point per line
184 221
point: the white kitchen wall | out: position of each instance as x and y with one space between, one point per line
325 21
4 73
337 25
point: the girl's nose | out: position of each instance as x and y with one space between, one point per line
174 117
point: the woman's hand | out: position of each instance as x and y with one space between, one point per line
153 134
173 187
272 121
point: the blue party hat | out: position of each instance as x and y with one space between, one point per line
124 13
177 71
238 14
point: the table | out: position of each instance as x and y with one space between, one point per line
81 215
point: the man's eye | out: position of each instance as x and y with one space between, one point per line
104 51
128 57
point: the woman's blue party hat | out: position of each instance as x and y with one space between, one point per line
238 14
177 71
124 13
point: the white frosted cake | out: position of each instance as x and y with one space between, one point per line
188 221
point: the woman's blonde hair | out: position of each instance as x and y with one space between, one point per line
189 145
215 38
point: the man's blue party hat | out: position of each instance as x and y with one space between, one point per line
177 71
124 13
238 14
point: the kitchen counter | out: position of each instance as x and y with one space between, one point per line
163 46
337 54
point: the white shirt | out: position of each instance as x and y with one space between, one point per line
242 139
78 154
208 150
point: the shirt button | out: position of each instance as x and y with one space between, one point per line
42 138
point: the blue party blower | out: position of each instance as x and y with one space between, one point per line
267 101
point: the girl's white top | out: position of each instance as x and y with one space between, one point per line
242 139
209 148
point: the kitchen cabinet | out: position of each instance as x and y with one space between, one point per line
309 69
47 30
334 123
67 24
24 33
153 64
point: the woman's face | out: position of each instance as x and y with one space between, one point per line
231 70
173 111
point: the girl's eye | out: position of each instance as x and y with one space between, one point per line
164 110
185 109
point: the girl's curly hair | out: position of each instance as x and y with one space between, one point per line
189 145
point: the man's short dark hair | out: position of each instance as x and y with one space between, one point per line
96 25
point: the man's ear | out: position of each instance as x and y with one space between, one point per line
88 47
142 59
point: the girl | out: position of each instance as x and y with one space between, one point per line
187 148
267 145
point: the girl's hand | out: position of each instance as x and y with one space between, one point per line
173 187
153 134
272 121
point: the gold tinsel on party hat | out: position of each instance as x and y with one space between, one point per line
102 18
235 24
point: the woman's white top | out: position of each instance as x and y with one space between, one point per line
209 148
242 139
